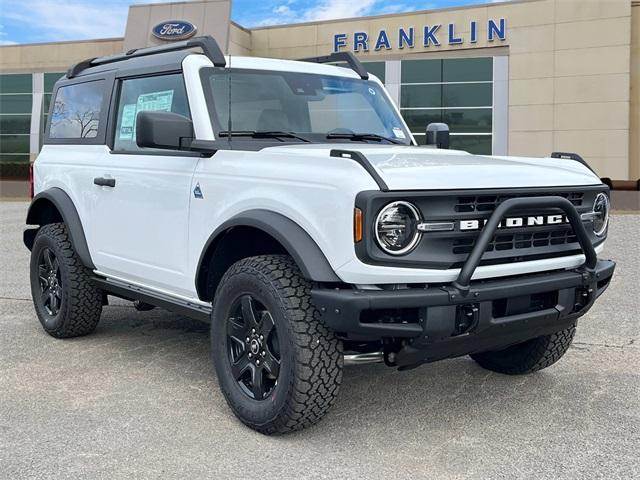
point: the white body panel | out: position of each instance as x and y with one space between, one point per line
151 231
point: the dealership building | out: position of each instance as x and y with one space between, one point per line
525 77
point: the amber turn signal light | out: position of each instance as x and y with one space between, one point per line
357 225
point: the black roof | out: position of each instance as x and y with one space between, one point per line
141 58
170 57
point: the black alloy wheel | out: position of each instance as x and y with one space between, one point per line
253 349
67 303
50 282
277 364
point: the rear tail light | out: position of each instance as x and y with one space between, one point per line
31 180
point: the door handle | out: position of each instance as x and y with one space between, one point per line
104 182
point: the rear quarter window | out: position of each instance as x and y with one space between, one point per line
77 111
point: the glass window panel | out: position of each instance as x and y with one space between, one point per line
76 113
478 144
417 120
417 96
377 69
15 124
14 166
165 93
307 104
49 81
15 103
14 143
421 71
467 69
16 83
46 102
420 139
468 121
467 95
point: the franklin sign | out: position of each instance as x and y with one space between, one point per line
426 37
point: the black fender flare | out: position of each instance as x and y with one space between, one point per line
64 205
296 241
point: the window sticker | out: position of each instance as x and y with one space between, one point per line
156 101
398 133
153 101
128 123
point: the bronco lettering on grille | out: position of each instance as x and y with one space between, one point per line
515 222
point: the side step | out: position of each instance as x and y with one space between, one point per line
173 304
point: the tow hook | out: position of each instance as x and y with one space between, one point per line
466 318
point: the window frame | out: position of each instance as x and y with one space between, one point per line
420 135
113 117
108 79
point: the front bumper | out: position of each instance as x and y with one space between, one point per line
492 314
465 316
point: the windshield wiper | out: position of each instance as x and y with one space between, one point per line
364 136
261 134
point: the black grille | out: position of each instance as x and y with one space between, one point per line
450 249
515 241
488 203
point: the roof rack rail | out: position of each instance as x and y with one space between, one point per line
207 43
348 57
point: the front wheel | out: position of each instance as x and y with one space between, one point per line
529 356
278 366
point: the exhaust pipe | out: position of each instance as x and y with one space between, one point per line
364 358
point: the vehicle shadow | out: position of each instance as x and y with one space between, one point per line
435 397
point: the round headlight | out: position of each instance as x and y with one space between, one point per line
396 228
600 214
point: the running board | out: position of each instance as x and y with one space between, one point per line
168 302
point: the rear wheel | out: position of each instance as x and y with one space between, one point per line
278 366
66 302
529 356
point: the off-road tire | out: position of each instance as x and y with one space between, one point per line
81 301
311 356
529 356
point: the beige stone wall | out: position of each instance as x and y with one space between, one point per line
54 57
211 17
239 40
634 117
569 81
569 65
574 83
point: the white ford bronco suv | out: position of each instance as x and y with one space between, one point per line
287 203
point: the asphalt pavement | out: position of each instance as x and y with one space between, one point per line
139 399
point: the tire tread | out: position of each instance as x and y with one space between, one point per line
529 356
318 372
84 300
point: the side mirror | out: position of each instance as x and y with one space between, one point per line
165 130
438 135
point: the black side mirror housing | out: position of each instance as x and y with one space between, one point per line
438 135
165 130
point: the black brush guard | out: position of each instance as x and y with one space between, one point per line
472 316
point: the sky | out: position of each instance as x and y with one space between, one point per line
32 21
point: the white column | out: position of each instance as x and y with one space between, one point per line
500 128
37 97
392 79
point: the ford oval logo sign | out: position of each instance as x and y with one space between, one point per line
174 30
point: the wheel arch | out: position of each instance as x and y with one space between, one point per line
258 232
51 206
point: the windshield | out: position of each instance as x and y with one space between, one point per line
314 107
